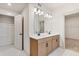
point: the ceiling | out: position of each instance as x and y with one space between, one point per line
62 6
16 7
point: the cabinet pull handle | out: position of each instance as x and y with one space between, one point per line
46 44
56 40
20 34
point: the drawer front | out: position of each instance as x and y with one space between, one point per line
42 40
56 37
42 49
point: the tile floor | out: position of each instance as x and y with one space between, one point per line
12 51
63 52
74 46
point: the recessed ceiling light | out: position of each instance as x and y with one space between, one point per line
9 13
9 4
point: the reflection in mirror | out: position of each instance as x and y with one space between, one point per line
41 26
39 23
39 20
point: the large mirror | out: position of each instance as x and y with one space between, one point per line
39 23
39 20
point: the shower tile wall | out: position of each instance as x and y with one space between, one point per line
6 30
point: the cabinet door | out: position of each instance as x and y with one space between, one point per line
42 48
49 48
55 41
33 47
54 44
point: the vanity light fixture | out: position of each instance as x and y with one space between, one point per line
36 12
48 16
42 12
39 11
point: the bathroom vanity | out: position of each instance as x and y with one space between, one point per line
43 40
43 45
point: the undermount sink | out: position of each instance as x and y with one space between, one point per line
42 34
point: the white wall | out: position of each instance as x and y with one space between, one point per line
72 26
57 26
48 25
6 30
31 20
25 14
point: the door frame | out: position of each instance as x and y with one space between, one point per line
22 33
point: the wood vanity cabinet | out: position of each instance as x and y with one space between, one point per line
44 46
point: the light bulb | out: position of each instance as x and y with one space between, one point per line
42 12
36 12
39 11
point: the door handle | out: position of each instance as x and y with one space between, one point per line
56 40
46 44
20 34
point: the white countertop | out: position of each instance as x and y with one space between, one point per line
43 35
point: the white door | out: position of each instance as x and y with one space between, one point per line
18 31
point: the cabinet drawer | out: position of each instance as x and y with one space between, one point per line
42 49
41 41
56 37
